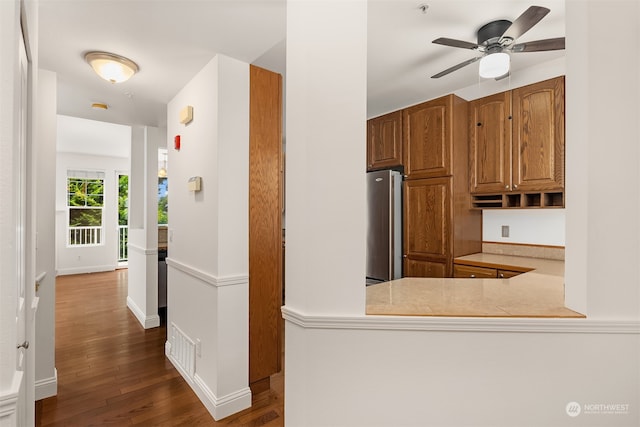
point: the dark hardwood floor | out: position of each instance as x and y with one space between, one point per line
113 372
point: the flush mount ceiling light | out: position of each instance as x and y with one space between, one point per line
111 67
494 65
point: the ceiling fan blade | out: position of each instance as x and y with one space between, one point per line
455 43
524 22
455 67
539 45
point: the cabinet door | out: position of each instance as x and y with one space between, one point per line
490 148
427 225
384 141
472 272
538 136
427 136
421 268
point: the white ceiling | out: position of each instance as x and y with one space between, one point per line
171 40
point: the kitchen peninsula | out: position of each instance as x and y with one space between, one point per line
538 292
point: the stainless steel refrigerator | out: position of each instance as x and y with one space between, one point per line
384 226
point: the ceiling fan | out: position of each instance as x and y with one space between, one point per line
496 40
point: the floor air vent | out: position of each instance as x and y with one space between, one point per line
183 350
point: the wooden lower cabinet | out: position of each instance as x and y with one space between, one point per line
505 274
438 226
423 268
470 271
427 227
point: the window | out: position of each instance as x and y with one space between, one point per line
163 201
85 201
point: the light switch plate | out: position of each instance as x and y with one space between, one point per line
505 231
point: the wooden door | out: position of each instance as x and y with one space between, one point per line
538 136
384 141
427 138
265 227
427 227
490 143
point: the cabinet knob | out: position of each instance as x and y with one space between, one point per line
473 276
479 124
502 275
506 186
515 185
404 256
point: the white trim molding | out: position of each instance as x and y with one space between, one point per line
221 407
141 250
218 407
9 400
47 387
87 269
206 277
147 322
462 324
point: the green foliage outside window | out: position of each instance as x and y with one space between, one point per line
123 195
163 201
85 198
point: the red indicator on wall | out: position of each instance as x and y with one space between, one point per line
176 142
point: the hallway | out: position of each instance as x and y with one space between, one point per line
112 371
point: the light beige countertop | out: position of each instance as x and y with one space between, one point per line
536 293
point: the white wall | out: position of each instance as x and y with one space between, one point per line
357 370
208 235
602 124
45 374
142 298
74 260
325 185
530 226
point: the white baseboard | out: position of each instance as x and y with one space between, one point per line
87 269
218 407
221 407
9 400
47 387
147 322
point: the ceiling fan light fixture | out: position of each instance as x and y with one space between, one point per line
111 67
494 65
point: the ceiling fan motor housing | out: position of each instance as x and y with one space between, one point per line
490 33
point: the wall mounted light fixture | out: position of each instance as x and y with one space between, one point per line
111 67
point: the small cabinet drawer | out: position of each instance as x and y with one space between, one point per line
505 274
467 271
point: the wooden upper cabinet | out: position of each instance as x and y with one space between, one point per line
517 141
428 137
490 143
538 136
384 141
